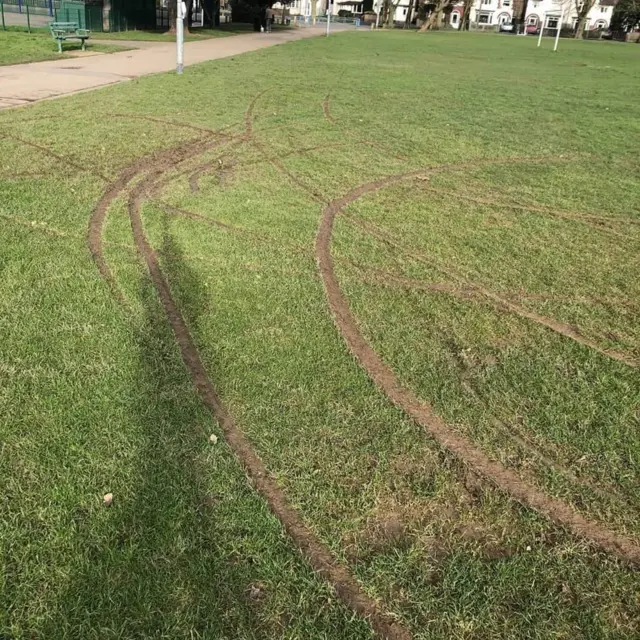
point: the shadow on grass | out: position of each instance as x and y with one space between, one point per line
189 551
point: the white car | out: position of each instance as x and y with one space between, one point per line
506 27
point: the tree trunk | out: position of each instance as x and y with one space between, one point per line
391 10
433 21
106 15
519 15
465 18
582 18
413 6
172 9
187 17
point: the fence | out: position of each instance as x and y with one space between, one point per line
22 13
37 7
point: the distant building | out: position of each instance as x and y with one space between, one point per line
496 12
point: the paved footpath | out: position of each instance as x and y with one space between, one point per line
25 83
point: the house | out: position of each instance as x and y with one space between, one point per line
356 7
492 13
402 8
302 7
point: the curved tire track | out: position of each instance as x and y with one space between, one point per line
316 553
422 412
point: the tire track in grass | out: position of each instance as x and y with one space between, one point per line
599 223
498 301
316 553
326 110
380 277
422 412
320 558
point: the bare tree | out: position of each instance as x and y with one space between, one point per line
583 7
413 8
519 14
435 17
389 12
465 18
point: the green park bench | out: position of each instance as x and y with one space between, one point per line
61 31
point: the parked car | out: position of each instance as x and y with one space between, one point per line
532 30
507 27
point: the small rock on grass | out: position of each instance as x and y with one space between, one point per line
213 438
107 501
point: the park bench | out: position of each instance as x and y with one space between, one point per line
61 31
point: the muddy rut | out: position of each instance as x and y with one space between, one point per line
423 414
137 183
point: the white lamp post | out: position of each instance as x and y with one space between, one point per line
180 14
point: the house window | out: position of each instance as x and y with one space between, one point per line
601 24
552 22
486 1
454 18
603 9
506 3
532 20
483 19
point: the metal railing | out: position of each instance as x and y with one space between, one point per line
40 7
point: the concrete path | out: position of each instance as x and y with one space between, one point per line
26 83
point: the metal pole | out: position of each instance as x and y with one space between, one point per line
328 16
28 19
180 36
50 5
541 28
4 26
555 46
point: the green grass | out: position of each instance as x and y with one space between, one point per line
95 398
18 47
196 34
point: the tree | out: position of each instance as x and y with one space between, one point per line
465 18
413 8
519 15
391 7
626 16
171 9
583 7
173 12
437 8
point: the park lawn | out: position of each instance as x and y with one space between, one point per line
17 47
536 202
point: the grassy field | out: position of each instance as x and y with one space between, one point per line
439 369
17 47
